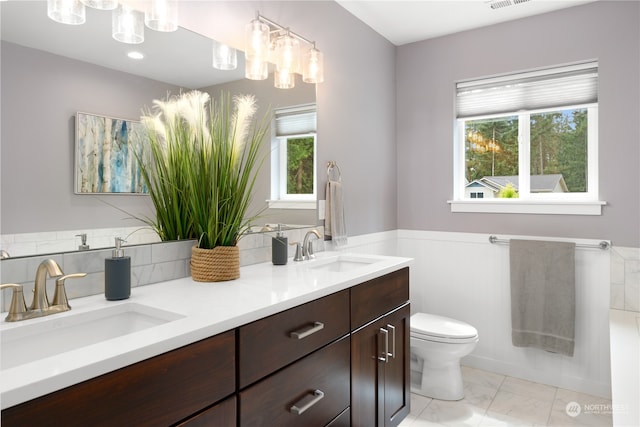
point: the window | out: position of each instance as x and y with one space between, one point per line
293 158
528 139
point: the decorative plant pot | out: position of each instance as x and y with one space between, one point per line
215 265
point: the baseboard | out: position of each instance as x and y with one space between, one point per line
580 385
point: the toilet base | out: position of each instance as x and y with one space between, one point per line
443 382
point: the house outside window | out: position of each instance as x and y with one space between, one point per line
293 158
528 139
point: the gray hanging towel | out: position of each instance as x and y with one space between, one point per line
543 307
335 229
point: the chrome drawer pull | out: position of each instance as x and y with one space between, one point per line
305 332
385 354
307 402
393 341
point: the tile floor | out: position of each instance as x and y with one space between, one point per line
496 400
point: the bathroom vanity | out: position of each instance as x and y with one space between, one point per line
324 342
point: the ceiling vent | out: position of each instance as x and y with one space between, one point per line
499 4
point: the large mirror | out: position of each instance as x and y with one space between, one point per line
51 71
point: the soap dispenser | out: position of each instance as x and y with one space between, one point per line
83 239
117 274
279 248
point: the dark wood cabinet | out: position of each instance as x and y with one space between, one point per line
380 354
342 420
310 392
159 391
397 382
290 335
376 297
221 415
341 360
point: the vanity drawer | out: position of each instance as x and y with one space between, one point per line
318 385
269 344
378 296
159 391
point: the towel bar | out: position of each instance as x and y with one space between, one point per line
604 245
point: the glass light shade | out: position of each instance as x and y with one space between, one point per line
101 4
284 79
313 66
256 69
256 41
224 57
127 25
287 54
162 15
70 12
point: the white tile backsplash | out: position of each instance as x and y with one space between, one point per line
625 278
150 263
26 244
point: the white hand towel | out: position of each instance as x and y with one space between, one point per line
334 226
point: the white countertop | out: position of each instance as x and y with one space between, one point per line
208 309
624 329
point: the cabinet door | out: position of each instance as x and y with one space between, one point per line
397 383
366 376
380 384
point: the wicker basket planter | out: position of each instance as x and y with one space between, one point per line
215 265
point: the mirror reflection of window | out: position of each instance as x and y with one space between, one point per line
293 157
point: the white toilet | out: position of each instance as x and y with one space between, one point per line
437 345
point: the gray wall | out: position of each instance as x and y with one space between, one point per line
426 76
357 118
356 103
41 94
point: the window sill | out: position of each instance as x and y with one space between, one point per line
528 206
292 204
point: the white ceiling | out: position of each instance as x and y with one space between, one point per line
403 22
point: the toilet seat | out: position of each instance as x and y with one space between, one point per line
436 328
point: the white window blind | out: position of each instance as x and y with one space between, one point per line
553 87
296 121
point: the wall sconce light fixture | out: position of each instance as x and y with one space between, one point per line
71 12
127 25
162 15
224 57
263 35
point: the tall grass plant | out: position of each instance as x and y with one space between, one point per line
200 164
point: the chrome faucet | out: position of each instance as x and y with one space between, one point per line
40 305
307 245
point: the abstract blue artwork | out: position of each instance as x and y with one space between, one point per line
106 155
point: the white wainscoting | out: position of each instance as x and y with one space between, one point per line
463 276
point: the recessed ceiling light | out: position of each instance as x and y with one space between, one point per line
135 55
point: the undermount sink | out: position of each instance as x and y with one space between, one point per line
58 334
341 263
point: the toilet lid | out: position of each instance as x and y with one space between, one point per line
440 326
